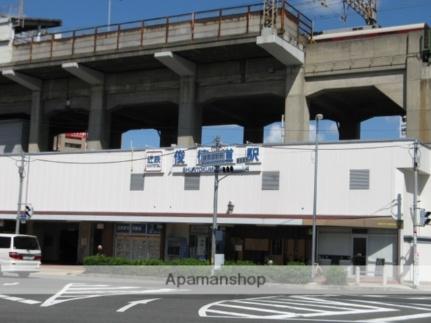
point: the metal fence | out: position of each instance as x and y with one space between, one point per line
210 24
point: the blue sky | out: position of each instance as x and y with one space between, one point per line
83 13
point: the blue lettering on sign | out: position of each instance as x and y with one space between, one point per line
201 154
229 155
253 154
179 157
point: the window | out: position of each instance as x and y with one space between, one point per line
72 145
276 247
359 179
137 182
4 242
27 243
192 182
270 181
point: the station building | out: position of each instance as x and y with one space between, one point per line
159 203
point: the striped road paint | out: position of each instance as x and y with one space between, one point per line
19 300
300 307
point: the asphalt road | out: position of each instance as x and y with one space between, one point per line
108 299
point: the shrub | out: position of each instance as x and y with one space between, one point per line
119 261
239 263
335 275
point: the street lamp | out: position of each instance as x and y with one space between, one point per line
215 202
109 15
316 159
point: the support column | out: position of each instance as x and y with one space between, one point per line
253 134
189 114
98 127
168 137
38 137
296 111
115 139
84 241
418 93
98 121
349 130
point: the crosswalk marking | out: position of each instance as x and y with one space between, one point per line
19 300
297 307
74 291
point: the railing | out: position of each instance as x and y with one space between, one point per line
214 24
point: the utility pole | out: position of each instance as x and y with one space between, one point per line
316 161
367 9
109 14
21 9
215 205
269 13
415 217
21 181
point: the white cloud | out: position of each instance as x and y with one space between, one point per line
328 130
273 134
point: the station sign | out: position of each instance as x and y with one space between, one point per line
215 157
207 159
153 162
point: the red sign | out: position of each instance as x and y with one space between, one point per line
76 135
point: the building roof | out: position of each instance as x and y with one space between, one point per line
27 24
367 32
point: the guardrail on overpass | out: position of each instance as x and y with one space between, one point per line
203 25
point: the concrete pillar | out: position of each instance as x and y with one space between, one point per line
108 239
189 114
296 111
38 138
168 137
84 241
418 92
349 130
253 134
98 126
115 141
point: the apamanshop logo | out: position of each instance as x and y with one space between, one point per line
222 280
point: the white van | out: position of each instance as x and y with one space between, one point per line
19 254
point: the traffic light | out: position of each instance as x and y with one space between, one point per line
28 211
234 168
425 217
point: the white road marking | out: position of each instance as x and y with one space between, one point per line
19 300
394 305
405 318
131 304
298 307
11 284
420 298
73 292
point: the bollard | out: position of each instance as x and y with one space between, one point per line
384 276
357 274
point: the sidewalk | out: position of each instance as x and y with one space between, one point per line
368 286
61 270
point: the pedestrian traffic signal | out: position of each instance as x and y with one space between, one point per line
234 169
425 217
28 211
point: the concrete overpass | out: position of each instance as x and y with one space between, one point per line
180 73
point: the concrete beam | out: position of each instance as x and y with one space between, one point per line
177 64
84 73
28 82
279 48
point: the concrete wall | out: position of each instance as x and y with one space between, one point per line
6 38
